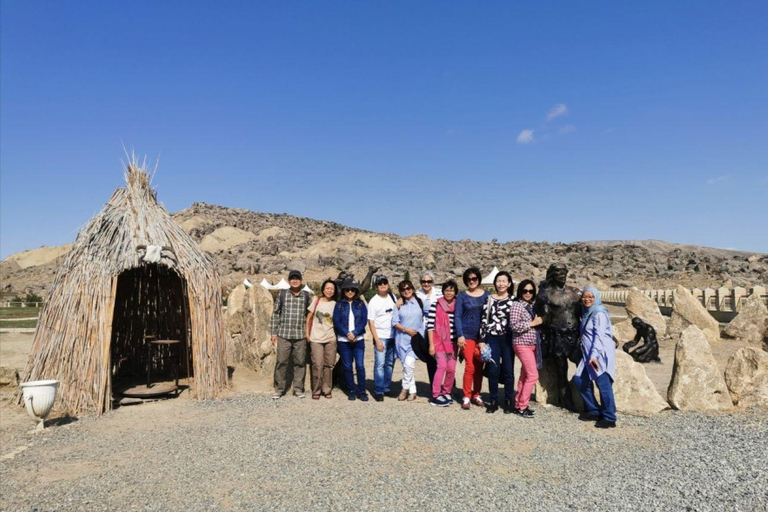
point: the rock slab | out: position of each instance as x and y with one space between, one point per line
639 305
623 332
746 376
686 311
248 313
749 324
633 390
547 392
697 384
8 377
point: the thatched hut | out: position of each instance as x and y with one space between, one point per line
132 272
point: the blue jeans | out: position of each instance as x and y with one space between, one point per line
503 365
383 364
607 408
347 352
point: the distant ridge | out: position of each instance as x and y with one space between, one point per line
256 245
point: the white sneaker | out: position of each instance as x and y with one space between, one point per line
448 398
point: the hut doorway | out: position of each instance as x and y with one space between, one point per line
150 333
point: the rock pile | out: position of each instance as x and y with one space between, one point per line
245 243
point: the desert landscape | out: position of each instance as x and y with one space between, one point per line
150 456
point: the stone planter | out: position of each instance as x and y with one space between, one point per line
39 396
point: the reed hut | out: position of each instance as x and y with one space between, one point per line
133 272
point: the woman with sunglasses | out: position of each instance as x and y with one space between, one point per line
526 343
428 291
350 316
408 321
494 333
468 311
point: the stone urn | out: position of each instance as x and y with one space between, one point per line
39 396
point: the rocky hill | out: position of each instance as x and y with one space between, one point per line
256 245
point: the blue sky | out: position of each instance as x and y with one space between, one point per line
544 120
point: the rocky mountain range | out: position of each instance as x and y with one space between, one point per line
255 245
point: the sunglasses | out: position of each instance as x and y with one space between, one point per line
350 290
473 278
406 289
527 290
424 281
383 281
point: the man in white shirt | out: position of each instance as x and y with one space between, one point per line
380 309
428 292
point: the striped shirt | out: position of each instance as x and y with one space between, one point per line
520 324
431 320
289 315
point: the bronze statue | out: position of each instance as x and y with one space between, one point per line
649 350
559 306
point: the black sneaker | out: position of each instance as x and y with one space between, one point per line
529 411
526 413
439 401
605 424
378 398
351 397
363 397
587 417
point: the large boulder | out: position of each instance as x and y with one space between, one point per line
747 377
639 305
623 332
248 313
633 390
686 311
697 383
749 324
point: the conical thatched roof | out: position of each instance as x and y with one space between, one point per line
75 331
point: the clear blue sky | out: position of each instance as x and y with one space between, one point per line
542 120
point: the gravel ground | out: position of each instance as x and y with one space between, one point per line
248 452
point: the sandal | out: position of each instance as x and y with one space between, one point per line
328 395
315 397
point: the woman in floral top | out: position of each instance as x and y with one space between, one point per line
493 332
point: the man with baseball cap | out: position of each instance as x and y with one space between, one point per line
288 331
380 309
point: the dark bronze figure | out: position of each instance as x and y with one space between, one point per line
365 285
649 350
559 306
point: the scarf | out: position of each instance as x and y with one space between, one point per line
443 321
591 311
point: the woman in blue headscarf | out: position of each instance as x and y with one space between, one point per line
598 362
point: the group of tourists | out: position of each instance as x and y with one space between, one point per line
438 326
